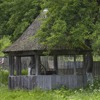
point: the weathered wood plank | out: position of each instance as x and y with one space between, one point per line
11 64
37 59
56 64
18 65
46 81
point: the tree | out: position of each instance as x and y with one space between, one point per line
16 16
71 22
4 42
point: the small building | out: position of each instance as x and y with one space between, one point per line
42 77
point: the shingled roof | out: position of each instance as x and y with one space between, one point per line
26 43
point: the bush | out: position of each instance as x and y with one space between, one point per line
4 76
24 72
95 85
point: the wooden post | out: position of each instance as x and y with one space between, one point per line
18 65
37 64
11 64
75 65
33 61
32 65
56 64
84 64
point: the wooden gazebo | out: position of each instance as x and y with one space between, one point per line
26 46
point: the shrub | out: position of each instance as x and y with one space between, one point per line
24 72
4 76
95 85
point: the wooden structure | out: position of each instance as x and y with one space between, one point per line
26 46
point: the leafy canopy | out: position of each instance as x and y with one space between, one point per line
69 23
4 42
16 15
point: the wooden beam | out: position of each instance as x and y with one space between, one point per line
53 52
37 64
18 65
11 64
56 64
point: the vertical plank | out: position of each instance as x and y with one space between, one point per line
75 65
18 65
37 65
11 64
32 65
84 64
56 64
9 82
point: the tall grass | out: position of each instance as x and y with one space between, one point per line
3 76
61 94
5 73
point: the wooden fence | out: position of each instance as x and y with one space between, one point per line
47 81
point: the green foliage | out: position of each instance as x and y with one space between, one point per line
24 72
16 15
96 84
96 38
96 58
61 94
69 22
4 42
3 77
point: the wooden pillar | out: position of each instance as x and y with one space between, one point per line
18 65
75 72
11 64
56 64
84 64
32 65
37 65
33 61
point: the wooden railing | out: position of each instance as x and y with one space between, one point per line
47 81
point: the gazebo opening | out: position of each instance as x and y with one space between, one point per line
66 65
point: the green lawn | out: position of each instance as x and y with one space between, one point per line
61 94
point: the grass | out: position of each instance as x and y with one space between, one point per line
3 76
61 94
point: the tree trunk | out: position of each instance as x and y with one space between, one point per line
89 58
89 62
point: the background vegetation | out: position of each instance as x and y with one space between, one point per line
15 17
3 77
68 21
